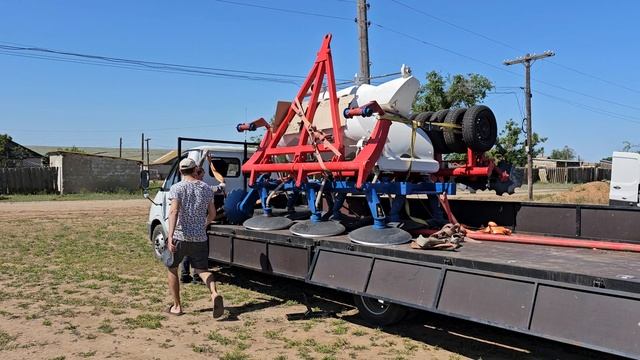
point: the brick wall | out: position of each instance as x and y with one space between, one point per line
91 173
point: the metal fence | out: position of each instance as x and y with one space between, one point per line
29 180
573 175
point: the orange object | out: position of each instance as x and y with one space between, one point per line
493 228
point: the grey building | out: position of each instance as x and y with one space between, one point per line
78 172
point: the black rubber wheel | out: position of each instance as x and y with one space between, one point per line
378 312
422 117
479 128
452 137
158 241
435 134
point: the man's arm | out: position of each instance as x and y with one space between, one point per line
211 213
173 220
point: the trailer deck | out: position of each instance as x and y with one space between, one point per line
585 297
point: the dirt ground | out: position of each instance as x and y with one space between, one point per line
78 280
596 192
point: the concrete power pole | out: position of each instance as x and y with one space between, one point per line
527 60
147 140
363 36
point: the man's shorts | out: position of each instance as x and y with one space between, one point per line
197 251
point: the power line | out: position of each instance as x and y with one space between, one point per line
560 87
509 46
424 42
628 118
291 11
44 53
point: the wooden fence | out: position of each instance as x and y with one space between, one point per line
29 180
574 175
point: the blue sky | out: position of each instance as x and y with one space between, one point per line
63 104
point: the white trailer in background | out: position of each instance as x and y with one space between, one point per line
625 179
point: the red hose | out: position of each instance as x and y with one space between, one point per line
545 240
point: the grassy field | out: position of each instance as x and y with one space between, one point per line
80 282
114 195
68 197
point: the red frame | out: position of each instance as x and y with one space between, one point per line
360 167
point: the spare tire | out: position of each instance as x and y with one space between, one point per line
453 137
435 133
479 128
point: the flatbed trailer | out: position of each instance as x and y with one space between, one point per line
584 297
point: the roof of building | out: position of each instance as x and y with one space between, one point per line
64 152
17 151
171 155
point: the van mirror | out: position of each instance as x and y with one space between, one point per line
144 179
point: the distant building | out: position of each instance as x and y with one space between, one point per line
160 167
19 156
555 163
78 172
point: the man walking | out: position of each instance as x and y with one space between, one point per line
192 209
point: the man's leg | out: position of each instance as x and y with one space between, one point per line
185 273
216 298
207 278
174 289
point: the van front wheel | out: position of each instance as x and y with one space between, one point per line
158 241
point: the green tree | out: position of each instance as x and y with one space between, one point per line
441 92
5 140
566 153
511 145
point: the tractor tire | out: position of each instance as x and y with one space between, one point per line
479 128
452 137
377 312
435 134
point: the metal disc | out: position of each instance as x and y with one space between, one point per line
262 222
311 229
369 235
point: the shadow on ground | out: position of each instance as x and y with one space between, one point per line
469 339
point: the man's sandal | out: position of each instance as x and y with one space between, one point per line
168 311
218 306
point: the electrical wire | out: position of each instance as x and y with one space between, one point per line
631 119
291 11
509 46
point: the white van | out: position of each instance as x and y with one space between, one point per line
227 160
625 179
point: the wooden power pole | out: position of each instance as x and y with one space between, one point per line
363 35
527 60
120 148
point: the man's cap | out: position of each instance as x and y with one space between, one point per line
187 163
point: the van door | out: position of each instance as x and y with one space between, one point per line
229 168
172 178
625 179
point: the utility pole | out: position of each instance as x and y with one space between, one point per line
528 60
147 140
121 148
363 36
142 150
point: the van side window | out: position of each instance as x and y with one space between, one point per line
226 166
172 178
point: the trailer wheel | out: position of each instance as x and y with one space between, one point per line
453 137
435 134
479 128
379 312
158 241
